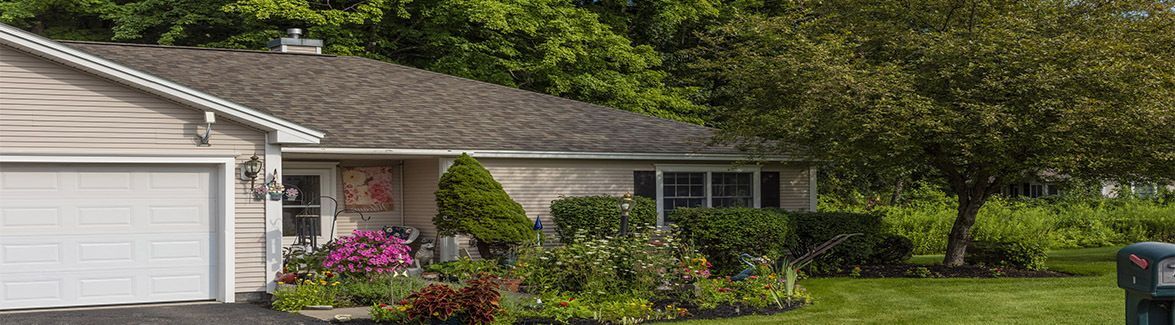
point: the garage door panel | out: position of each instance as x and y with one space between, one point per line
76 234
105 287
100 252
41 216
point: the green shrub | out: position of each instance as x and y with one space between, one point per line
385 289
470 201
598 216
464 268
892 249
295 298
1029 254
723 234
631 265
813 229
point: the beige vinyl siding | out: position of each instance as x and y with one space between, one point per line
47 108
420 187
534 183
794 185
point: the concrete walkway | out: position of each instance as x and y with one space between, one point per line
196 313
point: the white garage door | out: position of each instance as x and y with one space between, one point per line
97 234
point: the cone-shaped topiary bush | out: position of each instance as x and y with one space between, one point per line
471 202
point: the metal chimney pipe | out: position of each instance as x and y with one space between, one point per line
294 32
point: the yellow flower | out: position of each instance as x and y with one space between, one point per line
335 283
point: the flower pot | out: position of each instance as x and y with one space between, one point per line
275 196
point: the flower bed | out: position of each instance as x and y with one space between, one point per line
648 276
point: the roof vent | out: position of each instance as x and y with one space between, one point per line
294 43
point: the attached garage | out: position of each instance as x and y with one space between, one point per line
119 187
109 233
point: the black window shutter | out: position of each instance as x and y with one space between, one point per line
769 189
644 183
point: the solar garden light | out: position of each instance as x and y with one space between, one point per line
625 207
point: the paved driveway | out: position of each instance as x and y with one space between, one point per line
211 313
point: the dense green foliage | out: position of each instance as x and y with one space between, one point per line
598 216
1022 254
551 46
470 201
723 234
1063 222
976 94
813 229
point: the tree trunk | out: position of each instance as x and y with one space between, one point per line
961 231
897 193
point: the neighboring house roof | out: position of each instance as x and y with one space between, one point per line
287 132
367 104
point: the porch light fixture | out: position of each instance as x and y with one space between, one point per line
625 207
209 118
250 169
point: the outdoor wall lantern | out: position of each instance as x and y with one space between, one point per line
250 169
209 118
625 207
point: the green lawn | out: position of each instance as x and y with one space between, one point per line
1090 299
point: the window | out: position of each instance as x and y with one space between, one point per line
685 190
1053 190
1035 190
732 190
306 203
707 186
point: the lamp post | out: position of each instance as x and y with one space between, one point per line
625 207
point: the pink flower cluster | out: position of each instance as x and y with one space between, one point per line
368 251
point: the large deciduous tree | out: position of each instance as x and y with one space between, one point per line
982 92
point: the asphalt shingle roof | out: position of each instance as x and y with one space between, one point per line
364 103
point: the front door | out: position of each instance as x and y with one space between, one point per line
314 192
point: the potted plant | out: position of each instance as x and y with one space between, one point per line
276 190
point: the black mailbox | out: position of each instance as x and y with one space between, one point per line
1147 272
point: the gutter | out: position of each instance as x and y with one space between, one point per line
533 154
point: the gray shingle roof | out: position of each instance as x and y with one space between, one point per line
364 103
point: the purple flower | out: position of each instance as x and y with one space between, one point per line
368 251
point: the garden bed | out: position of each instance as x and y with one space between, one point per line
942 271
721 312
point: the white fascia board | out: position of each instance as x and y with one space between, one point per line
61 53
529 154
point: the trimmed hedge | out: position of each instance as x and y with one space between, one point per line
892 249
813 229
598 216
723 234
1023 254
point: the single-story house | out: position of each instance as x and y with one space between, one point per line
123 172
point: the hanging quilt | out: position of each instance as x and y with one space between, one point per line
367 189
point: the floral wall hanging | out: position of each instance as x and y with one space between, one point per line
367 189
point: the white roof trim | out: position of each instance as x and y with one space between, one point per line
290 132
531 154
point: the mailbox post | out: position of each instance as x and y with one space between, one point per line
1147 272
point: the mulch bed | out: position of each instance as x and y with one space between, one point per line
724 311
942 271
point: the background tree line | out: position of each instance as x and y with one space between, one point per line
967 94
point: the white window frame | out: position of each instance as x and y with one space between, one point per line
756 173
328 182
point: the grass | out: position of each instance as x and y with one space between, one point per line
1092 298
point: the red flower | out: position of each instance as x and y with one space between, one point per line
563 304
383 305
754 277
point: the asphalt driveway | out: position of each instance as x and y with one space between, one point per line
211 313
